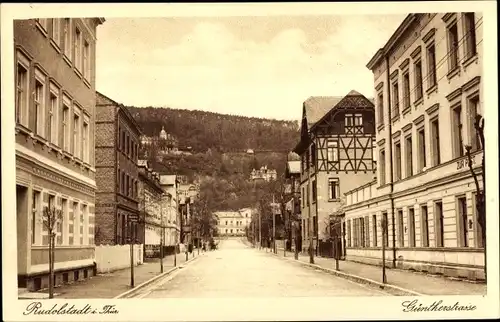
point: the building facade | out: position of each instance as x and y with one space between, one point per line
232 223
336 151
293 202
117 174
427 79
264 174
151 205
170 185
55 170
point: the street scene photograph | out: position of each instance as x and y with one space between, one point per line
247 156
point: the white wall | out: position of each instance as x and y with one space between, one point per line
111 258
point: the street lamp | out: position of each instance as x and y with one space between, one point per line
162 232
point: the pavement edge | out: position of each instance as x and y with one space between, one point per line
141 286
358 279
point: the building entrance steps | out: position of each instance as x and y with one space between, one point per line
422 283
110 285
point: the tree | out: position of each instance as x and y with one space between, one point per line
480 193
51 218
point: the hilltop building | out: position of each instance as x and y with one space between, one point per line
429 92
55 96
264 174
164 143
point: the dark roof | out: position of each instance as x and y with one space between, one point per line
104 100
317 106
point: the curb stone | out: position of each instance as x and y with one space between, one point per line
139 287
358 279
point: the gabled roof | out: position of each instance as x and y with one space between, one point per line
293 167
104 100
315 107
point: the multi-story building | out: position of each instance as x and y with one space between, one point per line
117 174
55 114
188 193
336 151
164 143
231 223
292 206
427 79
263 174
170 185
151 205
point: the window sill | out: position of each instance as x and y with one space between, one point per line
406 110
55 45
472 59
87 82
418 102
42 29
395 118
452 73
78 72
432 89
67 60
20 128
41 139
334 200
68 155
380 127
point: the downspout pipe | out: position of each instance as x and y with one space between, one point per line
391 167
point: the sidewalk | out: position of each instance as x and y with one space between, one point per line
422 283
109 285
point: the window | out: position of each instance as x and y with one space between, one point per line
65 125
374 149
411 227
349 120
83 216
421 149
424 224
64 209
35 215
397 161
463 238
382 167
39 98
406 90
303 197
367 231
122 141
470 34
431 65
333 189
53 113
478 233
418 80
78 48
86 60
475 141
56 31
67 37
458 150
453 47
122 183
361 225
395 99
439 230
385 229
374 227
85 141
313 155
436 151
314 192
315 225
71 223
332 151
380 109
401 230
409 156
349 244
76 134
22 89
358 119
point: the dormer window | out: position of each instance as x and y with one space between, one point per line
354 123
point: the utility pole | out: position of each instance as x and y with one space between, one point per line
131 257
162 234
260 228
384 232
274 227
311 248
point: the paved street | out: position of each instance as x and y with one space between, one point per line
236 270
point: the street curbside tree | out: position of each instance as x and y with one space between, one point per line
51 219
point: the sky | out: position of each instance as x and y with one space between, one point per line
263 66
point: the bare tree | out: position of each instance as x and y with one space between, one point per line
51 218
480 193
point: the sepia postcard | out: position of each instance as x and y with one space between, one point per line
250 161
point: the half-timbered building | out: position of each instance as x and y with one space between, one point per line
336 151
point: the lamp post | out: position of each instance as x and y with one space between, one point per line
384 232
162 233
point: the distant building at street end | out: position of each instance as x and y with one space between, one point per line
233 223
429 86
117 174
336 150
54 77
263 174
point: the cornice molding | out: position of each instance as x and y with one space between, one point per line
429 35
432 109
418 120
470 84
454 95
